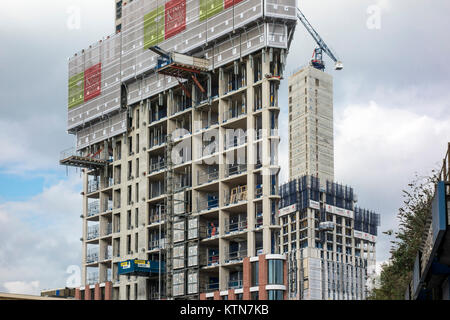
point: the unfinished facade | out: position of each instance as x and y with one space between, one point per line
329 241
311 142
181 171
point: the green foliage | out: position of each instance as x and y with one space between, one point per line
396 274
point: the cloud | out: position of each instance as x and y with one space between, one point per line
379 149
22 287
39 238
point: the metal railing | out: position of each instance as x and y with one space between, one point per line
158 166
93 186
235 170
208 149
157 244
93 208
108 205
155 218
234 114
93 232
92 257
235 284
207 177
69 153
92 278
235 256
207 204
156 142
213 260
235 141
236 226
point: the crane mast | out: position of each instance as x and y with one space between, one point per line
317 62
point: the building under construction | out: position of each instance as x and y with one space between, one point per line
329 241
176 125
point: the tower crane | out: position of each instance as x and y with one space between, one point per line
317 61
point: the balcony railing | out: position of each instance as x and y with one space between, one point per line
235 284
93 208
235 256
155 217
92 278
234 114
207 204
156 142
207 177
93 186
236 226
258 191
157 166
93 232
92 257
235 170
213 260
108 205
157 244
234 142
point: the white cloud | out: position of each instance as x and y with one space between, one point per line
379 149
40 238
22 287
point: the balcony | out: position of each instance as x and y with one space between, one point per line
92 279
258 191
207 177
238 226
108 205
93 233
208 204
92 257
157 244
235 170
234 114
235 141
108 230
108 254
157 166
213 260
93 186
235 256
235 284
93 208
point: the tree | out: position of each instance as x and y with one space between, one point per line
396 274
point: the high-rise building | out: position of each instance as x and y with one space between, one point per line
329 241
179 152
311 145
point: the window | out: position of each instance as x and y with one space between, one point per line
239 296
275 294
255 274
317 82
136 242
129 244
275 272
255 295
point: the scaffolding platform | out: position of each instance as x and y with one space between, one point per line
73 158
140 267
181 66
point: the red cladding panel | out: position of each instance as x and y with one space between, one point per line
92 82
175 18
230 3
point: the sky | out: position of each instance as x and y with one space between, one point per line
389 110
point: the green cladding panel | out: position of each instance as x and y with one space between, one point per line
209 8
154 27
76 90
